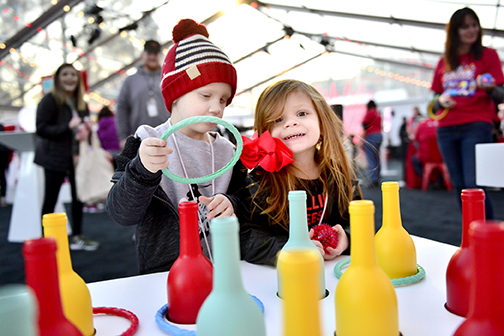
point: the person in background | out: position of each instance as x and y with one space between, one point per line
412 123
427 149
405 140
62 120
468 99
372 124
140 101
5 154
142 195
295 114
107 132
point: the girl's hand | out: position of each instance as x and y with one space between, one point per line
342 243
317 244
446 101
219 206
153 154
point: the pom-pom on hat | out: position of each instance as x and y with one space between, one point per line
194 61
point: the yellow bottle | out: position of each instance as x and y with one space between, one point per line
365 302
395 249
300 280
75 295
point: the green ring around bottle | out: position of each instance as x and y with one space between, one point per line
420 274
195 120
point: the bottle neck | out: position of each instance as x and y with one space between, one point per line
226 253
190 243
473 209
298 224
487 293
42 277
362 248
58 231
391 209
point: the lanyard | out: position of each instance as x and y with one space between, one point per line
190 189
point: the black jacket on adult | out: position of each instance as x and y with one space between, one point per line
55 143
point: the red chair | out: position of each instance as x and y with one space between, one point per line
429 168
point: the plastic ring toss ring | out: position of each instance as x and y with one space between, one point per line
420 274
199 119
174 330
121 313
434 116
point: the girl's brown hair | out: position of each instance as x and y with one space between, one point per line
334 166
452 43
60 95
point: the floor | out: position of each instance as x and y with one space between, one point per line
433 214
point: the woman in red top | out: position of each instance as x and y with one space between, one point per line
467 97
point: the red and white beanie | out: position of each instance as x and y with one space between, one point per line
194 62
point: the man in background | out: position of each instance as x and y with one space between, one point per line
140 101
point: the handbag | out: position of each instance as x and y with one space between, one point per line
93 172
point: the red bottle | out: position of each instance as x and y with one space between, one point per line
487 293
459 272
190 278
41 270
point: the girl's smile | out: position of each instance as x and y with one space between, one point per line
298 125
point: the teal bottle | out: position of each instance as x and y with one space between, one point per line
299 236
229 310
18 311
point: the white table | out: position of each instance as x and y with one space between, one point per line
421 305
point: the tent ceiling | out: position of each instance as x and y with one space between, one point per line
315 41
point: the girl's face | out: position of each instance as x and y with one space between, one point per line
469 31
298 126
208 100
68 79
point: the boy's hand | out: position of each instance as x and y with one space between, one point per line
154 154
219 206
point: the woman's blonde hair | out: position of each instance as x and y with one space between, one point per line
335 170
59 93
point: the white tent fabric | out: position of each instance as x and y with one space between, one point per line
350 50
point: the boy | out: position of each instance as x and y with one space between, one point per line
197 80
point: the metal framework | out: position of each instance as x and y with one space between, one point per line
55 12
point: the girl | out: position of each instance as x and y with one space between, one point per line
466 98
62 119
297 114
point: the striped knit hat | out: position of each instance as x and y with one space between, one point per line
194 62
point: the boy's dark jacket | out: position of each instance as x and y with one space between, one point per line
139 200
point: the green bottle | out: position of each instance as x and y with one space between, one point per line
299 236
18 311
228 310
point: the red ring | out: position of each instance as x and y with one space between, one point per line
121 313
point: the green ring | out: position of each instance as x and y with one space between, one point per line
195 120
420 274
